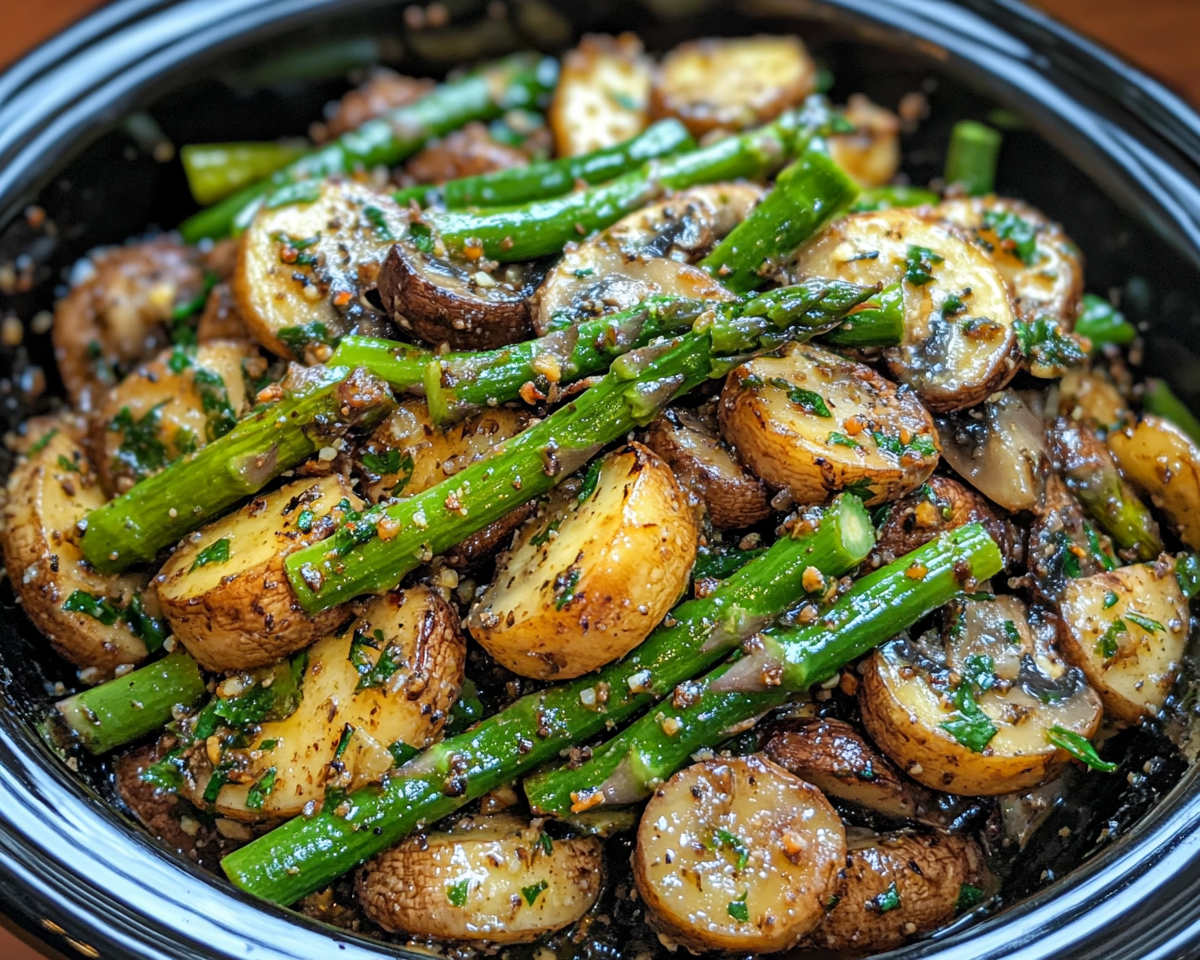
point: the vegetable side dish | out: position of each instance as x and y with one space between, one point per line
615 461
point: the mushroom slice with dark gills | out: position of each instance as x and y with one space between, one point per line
960 342
646 254
304 268
1063 544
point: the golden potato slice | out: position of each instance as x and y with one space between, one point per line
387 680
302 268
590 579
82 613
603 94
170 406
732 83
1126 630
816 423
224 591
969 713
494 878
737 855
1090 397
960 342
871 154
1164 464
897 886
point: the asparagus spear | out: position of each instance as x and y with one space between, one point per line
156 512
972 155
876 322
1158 399
134 705
1103 323
552 178
775 666
215 170
374 550
306 853
805 196
885 198
515 81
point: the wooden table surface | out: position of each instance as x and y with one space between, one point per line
1157 35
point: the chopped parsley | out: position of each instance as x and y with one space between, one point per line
215 552
148 629
1109 643
919 264
533 891
1078 747
1046 344
920 444
377 220
738 909
214 400
65 463
167 773
344 741
304 521
140 449
1150 626
1110 599
724 840
261 790
456 893
564 586
1017 236
971 726
383 463
841 440
401 753
590 481
44 439
968 896
377 672
97 608
297 339
542 538
421 237
1012 634
808 400
888 900
546 842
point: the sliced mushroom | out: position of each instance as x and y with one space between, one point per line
387 681
494 878
737 855
960 341
442 300
732 83
1126 630
603 94
998 449
224 591
899 885
871 153
590 578
1163 462
1063 544
816 423
690 442
969 713
304 267
645 254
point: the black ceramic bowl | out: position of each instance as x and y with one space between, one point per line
1105 150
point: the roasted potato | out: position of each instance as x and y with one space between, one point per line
732 83
591 577
968 713
896 886
1043 266
89 619
1163 462
690 442
737 855
494 878
816 423
1126 630
303 267
165 408
960 341
603 94
118 315
1091 398
388 679
871 154
224 591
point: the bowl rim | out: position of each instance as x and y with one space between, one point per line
94 882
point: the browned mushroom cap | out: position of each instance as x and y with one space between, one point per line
690 442
898 885
443 301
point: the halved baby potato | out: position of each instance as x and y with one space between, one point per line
969 713
592 576
79 611
960 341
871 153
388 679
496 878
737 855
303 267
899 885
1163 462
1092 398
816 423
603 94
165 408
224 590
1126 630
732 83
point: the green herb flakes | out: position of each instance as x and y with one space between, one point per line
738 909
533 891
1078 747
215 552
919 264
456 893
262 789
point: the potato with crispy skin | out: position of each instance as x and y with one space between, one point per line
737 855
80 611
590 578
815 423
603 94
497 879
224 591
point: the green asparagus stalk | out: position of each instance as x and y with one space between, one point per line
1158 399
199 486
305 854
774 666
516 81
552 178
215 170
972 155
1103 323
140 702
885 198
806 195
876 322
